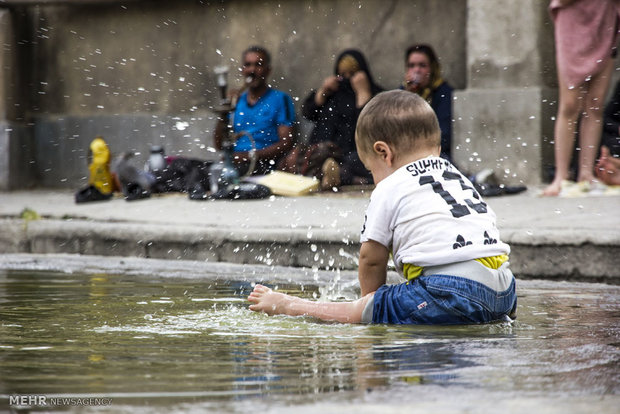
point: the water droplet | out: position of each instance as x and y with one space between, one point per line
181 125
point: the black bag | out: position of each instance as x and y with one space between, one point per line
182 175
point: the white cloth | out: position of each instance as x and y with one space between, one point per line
429 214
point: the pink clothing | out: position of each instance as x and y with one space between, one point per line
586 32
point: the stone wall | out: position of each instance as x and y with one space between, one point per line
503 119
141 73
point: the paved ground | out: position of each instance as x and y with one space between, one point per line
558 238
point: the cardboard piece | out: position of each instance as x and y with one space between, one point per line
287 184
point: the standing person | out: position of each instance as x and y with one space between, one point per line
267 114
334 109
423 76
585 38
442 235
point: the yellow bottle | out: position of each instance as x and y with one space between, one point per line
99 166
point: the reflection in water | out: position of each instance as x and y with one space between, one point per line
192 343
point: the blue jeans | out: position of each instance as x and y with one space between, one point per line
442 300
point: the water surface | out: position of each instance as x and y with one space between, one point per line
175 344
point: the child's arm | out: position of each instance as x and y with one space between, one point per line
373 266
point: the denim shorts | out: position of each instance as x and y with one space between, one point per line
446 299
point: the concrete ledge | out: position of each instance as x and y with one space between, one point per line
186 269
584 262
13 236
325 249
531 257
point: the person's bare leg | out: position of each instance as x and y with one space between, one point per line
564 131
608 168
592 122
274 303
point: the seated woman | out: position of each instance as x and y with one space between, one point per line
334 108
610 137
608 166
423 76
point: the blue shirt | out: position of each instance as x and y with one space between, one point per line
261 120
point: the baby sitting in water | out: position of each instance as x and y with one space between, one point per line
442 235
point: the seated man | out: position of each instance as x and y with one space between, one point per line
263 118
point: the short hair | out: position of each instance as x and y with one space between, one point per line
258 49
402 119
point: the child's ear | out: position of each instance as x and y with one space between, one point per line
383 150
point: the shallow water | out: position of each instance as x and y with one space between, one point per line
173 344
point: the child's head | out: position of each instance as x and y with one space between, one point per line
401 119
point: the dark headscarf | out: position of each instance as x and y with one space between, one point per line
363 65
335 120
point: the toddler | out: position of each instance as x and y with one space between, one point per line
441 234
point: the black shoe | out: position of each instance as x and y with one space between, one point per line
90 193
487 190
514 189
134 192
197 193
242 191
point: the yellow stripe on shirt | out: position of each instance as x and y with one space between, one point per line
411 271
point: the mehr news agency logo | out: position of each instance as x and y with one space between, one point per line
56 401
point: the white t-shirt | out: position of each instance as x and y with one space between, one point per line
429 214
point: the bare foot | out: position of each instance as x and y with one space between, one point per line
331 175
270 302
553 189
586 178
